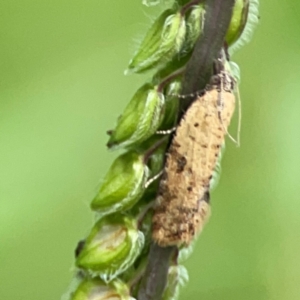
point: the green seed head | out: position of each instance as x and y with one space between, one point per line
194 25
186 251
172 103
163 40
244 19
112 247
123 185
238 21
141 118
177 277
96 289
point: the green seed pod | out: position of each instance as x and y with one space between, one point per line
141 118
244 19
163 40
96 289
186 251
123 185
112 247
177 277
172 104
156 161
170 115
194 25
238 21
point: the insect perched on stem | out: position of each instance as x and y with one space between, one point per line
182 205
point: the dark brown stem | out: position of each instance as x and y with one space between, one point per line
197 75
154 279
200 66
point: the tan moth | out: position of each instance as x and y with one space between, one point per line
182 205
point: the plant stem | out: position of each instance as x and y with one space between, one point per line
155 277
197 75
199 68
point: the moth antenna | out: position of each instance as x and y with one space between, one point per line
235 141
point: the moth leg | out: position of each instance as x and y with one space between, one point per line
165 132
152 179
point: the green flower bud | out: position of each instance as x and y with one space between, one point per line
244 19
186 251
123 185
96 289
238 21
177 277
156 161
141 118
194 24
172 104
112 247
170 115
163 40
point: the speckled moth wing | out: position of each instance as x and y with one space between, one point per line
182 204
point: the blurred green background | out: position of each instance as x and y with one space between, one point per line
62 87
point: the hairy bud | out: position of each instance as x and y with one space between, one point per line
194 25
177 277
111 248
96 289
140 119
238 21
243 22
123 185
163 40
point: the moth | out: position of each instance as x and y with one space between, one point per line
182 204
